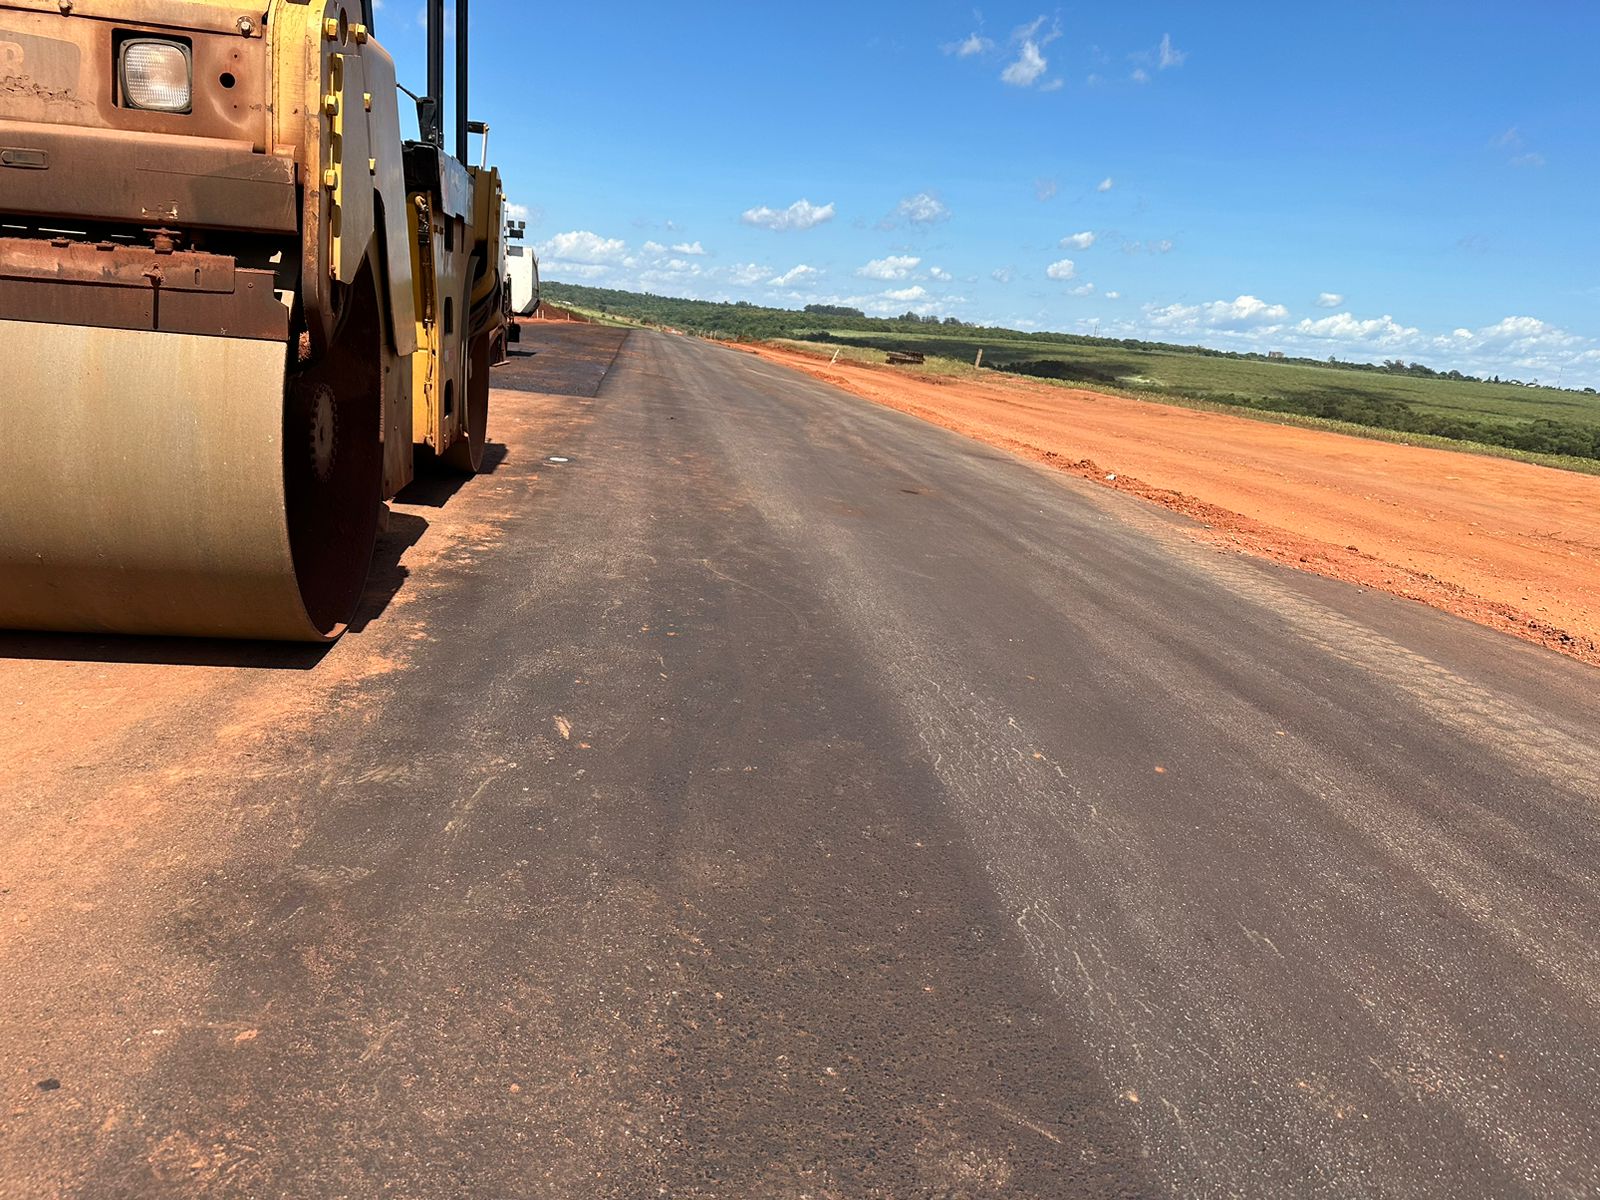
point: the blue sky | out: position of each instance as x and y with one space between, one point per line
1369 180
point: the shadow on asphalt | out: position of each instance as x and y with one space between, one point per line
434 485
165 651
388 574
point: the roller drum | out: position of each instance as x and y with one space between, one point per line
161 483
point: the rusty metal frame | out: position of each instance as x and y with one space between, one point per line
105 285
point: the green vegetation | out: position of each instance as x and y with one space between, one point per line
1544 424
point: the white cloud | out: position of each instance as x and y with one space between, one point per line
653 248
581 246
1343 327
745 274
802 214
940 274
518 212
896 266
1140 75
794 275
1517 347
922 209
1031 63
1329 300
1078 241
693 248
904 295
1105 185
974 43
1244 312
1168 55
1163 246
1003 274
1029 66
1064 269
571 270
1045 189
1527 333
1083 289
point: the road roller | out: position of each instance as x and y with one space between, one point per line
238 310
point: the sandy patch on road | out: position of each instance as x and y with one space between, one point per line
1503 543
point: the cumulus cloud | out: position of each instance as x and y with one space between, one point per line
1083 289
1003 274
940 274
694 248
921 209
745 274
1344 327
1329 299
1527 346
904 295
1078 241
581 246
1105 185
1030 64
1243 312
1063 269
895 266
794 275
1517 347
573 270
518 212
1526 332
802 214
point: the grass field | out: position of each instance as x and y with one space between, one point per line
1547 425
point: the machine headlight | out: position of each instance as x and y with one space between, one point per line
157 75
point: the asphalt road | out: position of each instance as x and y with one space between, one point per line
780 797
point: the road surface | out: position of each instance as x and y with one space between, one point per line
745 791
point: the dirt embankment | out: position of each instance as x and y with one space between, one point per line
554 312
1503 543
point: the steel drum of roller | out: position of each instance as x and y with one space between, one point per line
162 483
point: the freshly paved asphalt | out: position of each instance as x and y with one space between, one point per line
781 797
